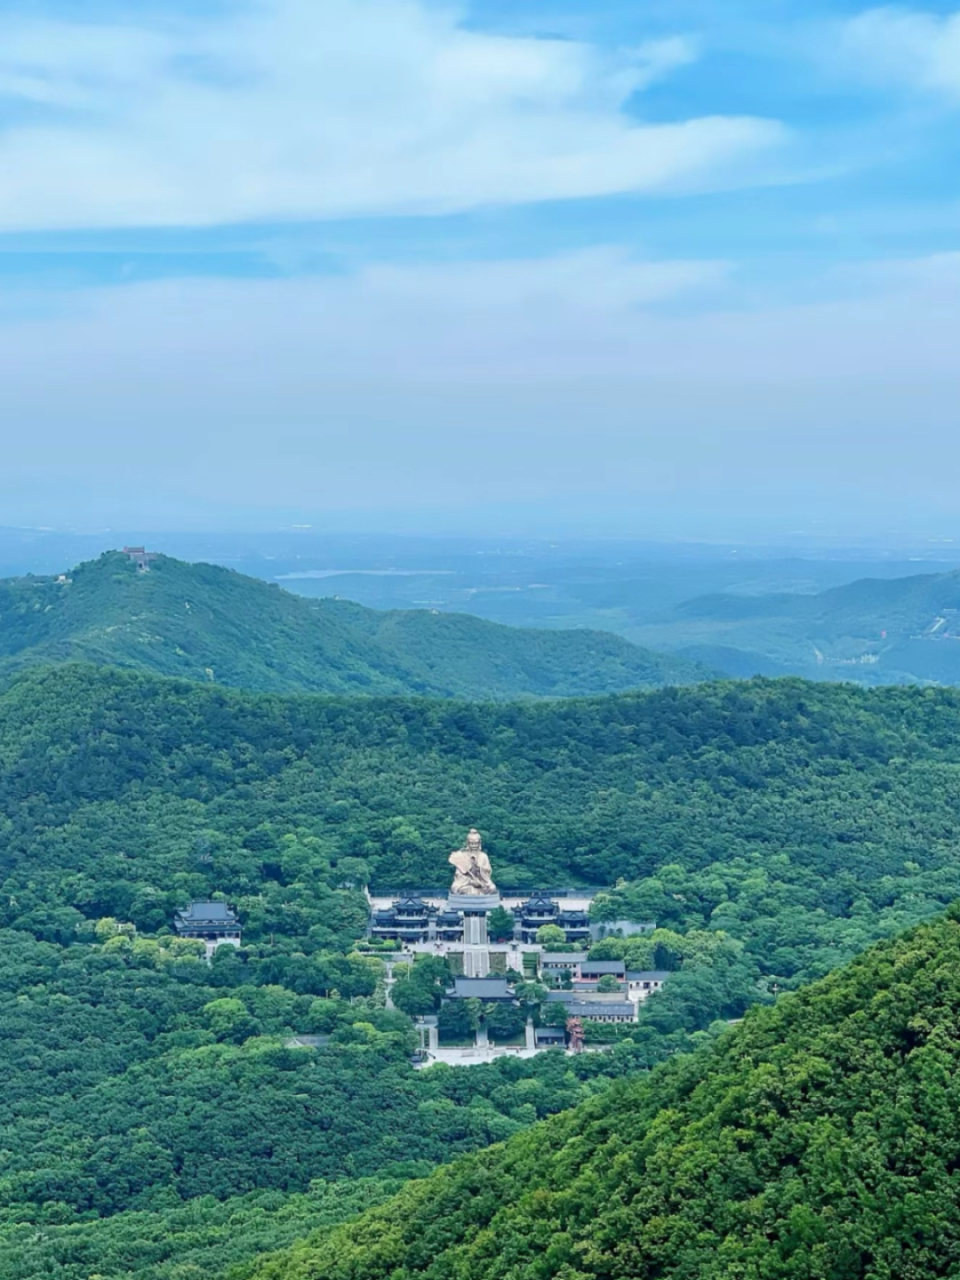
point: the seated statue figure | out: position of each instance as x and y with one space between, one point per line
473 870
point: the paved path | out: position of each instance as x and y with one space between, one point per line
470 1057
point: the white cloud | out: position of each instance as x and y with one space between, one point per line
908 47
424 321
325 108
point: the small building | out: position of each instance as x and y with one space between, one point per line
550 1038
213 923
594 970
587 994
642 983
537 911
575 925
554 964
485 989
140 556
448 926
412 919
408 920
540 909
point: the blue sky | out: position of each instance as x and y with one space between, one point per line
648 267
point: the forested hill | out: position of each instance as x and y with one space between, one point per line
819 1139
805 820
154 1121
209 623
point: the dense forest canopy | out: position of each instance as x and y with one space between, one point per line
160 1117
804 819
772 829
818 1139
215 625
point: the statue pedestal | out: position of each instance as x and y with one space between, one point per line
473 903
475 908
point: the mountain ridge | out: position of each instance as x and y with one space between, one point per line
871 631
209 623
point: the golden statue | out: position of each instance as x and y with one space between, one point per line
473 877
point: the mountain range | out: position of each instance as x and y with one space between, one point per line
213 624
872 631
208 623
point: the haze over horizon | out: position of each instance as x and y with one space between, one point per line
660 270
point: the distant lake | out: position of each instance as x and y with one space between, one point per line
368 573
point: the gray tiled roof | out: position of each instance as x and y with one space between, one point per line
648 975
207 911
600 967
482 988
592 1009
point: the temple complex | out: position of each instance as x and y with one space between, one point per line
456 926
460 917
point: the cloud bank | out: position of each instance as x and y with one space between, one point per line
908 48
311 109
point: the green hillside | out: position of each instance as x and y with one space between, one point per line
154 1120
873 631
803 818
820 1139
209 623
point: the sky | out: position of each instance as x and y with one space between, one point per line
594 266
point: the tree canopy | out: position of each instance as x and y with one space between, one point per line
772 829
818 1139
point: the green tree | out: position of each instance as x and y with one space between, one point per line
229 1019
459 1019
551 936
530 994
500 923
503 1021
420 987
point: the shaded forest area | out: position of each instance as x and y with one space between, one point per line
818 1139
